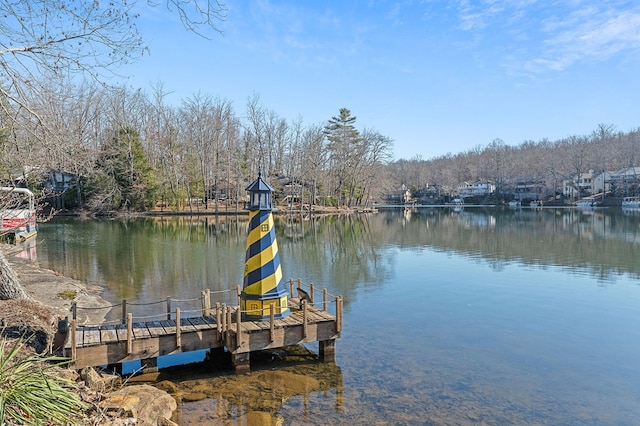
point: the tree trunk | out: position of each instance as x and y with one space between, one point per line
10 287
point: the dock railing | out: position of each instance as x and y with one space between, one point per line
197 306
310 298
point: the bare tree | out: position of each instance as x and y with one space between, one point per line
62 38
313 159
255 135
378 149
602 137
67 38
204 126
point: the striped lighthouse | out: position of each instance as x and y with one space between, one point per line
263 284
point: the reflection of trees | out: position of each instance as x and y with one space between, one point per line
150 259
337 252
602 242
180 256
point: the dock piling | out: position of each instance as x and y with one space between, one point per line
271 323
129 323
327 350
178 329
304 318
74 342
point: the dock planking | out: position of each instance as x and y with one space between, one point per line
108 334
155 329
121 331
169 326
187 327
140 331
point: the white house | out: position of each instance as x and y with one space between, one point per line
578 185
625 179
474 189
601 183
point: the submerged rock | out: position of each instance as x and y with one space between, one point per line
259 418
286 383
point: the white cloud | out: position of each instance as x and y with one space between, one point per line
475 15
554 36
588 35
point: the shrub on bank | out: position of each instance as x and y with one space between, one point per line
31 391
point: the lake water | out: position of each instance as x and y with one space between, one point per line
473 316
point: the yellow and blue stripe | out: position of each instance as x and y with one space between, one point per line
263 284
262 271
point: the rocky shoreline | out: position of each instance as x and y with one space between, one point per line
51 296
55 290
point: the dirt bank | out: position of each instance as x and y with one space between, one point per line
53 290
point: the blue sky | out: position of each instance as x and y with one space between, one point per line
435 76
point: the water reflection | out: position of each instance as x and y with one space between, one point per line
605 243
144 260
477 316
26 250
291 377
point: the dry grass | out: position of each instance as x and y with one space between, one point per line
28 319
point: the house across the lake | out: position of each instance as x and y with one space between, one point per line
475 189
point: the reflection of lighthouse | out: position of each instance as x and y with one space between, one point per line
263 286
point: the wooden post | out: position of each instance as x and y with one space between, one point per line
74 351
208 294
124 311
228 318
291 293
238 318
324 299
338 314
304 318
218 324
178 330
271 323
299 282
129 333
74 310
311 294
203 304
168 308
223 320
341 309
327 350
239 291
241 362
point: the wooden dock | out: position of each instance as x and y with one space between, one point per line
218 327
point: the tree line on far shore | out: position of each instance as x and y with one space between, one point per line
130 151
124 149
547 162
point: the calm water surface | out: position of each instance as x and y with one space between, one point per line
451 317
